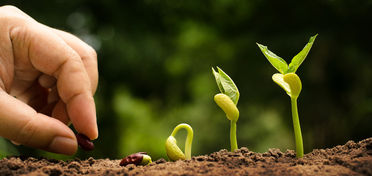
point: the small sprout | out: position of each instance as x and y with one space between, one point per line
227 101
173 151
84 142
140 158
291 83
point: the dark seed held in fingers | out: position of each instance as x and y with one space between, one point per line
84 142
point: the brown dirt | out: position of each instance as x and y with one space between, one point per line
349 159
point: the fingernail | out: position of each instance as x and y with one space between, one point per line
96 134
15 143
63 145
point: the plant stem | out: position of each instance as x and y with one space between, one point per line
297 129
233 141
188 142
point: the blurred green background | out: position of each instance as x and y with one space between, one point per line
155 60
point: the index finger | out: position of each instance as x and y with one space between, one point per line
87 54
48 53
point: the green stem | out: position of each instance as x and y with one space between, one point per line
188 142
233 141
297 129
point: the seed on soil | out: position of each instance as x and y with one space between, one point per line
84 142
140 158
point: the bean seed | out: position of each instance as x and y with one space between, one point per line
135 159
84 142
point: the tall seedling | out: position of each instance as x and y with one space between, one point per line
291 83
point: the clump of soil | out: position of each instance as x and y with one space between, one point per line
349 159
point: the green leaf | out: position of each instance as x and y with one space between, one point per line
226 85
218 80
275 60
300 57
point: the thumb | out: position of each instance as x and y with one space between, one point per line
22 124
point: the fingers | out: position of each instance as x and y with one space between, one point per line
87 54
22 124
60 112
51 55
47 81
89 58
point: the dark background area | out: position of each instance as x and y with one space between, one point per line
155 60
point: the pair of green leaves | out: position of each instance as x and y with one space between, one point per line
280 63
287 78
226 85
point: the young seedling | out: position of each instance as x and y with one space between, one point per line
291 83
173 151
140 158
227 101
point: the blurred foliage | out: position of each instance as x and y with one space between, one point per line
155 60
6 148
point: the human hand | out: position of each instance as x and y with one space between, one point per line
47 79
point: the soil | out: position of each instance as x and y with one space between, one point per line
349 159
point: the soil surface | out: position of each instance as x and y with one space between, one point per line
349 159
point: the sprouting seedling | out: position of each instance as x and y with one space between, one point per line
291 83
173 151
140 158
227 101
